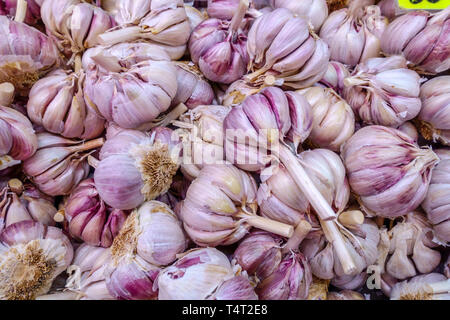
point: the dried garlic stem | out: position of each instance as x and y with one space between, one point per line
300 232
239 15
21 11
89 145
273 226
173 115
93 162
6 94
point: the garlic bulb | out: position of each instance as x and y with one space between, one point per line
282 49
361 241
57 103
89 218
201 130
383 91
194 276
59 164
151 237
422 38
19 202
333 119
27 54
32 256
218 47
280 199
135 166
334 77
220 207
134 97
388 172
193 89
353 34
163 23
237 288
314 11
75 25
433 286
411 248
438 198
391 8
434 118
345 295
33 10
17 137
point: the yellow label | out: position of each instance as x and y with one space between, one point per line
424 4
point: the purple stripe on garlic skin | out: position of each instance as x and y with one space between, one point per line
134 97
32 256
333 118
26 54
17 136
423 39
437 201
237 288
19 202
434 118
334 77
388 172
383 91
282 49
59 164
57 103
89 218
135 166
75 25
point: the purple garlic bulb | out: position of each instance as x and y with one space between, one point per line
384 91
284 51
237 288
135 167
33 255
354 33
59 164
90 218
75 25
57 103
220 207
26 55
422 38
438 198
434 118
19 202
218 47
388 172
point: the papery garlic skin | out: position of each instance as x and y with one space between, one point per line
315 11
391 9
280 199
334 77
345 295
136 166
387 170
409 129
134 97
333 118
282 48
20 202
57 103
422 38
222 9
422 288
89 218
75 25
162 23
237 288
218 47
59 164
437 199
194 16
202 133
362 244
151 237
434 117
32 256
354 34
193 89
383 91
17 136
237 92
411 248
26 54
194 276
213 201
